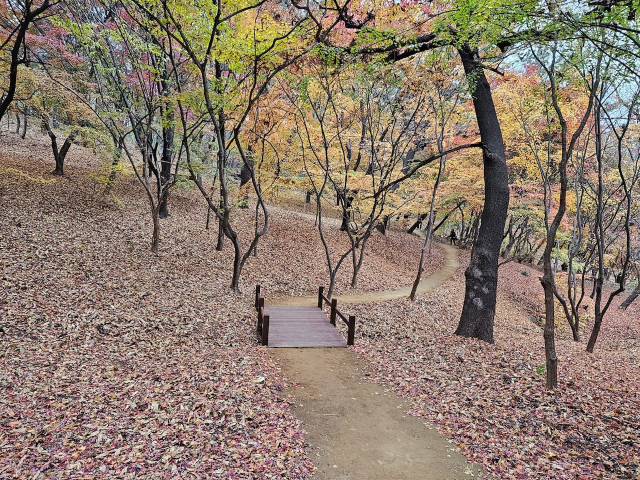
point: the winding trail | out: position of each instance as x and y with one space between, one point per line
427 284
358 430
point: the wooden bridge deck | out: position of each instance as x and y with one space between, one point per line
301 327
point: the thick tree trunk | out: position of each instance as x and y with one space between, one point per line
479 306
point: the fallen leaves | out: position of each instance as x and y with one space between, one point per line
115 363
490 398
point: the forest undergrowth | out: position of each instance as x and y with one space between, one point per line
118 363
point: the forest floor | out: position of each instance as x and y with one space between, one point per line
119 363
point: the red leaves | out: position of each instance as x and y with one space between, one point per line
490 398
115 363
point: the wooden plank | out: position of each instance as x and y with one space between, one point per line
301 327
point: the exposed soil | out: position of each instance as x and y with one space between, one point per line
427 283
358 430
116 363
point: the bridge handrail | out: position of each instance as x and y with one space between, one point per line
333 303
263 320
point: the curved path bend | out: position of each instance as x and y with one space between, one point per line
357 430
427 284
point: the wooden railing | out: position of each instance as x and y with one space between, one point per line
333 303
263 320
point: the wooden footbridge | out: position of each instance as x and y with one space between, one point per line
292 326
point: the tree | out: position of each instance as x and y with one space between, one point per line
235 49
568 142
16 18
125 85
466 30
477 32
615 208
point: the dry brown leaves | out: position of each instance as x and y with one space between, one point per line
491 399
117 363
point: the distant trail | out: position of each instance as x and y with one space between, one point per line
427 284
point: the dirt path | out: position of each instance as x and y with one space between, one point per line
358 430
427 284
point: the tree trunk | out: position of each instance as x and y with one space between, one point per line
629 300
114 168
357 264
235 280
481 276
549 323
155 239
416 282
221 223
18 123
165 168
24 125
58 155
591 344
24 24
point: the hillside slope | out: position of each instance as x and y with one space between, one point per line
118 363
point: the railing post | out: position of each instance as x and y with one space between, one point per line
257 296
320 292
259 306
334 307
351 333
265 331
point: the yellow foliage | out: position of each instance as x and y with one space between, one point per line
20 173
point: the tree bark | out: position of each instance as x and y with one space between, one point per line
629 300
165 168
61 154
221 224
117 156
479 307
24 124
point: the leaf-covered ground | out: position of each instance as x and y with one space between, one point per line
491 399
117 363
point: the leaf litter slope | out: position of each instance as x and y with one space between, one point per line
175 387
172 388
117 363
491 400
